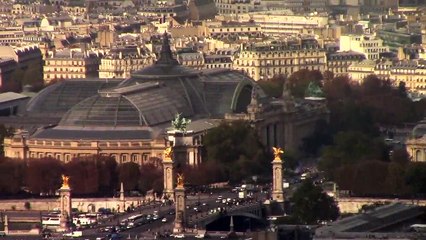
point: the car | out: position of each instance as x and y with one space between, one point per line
74 234
179 236
164 220
106 229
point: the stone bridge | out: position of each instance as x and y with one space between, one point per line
252 210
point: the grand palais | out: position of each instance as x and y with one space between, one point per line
129 119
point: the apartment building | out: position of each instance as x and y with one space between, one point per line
411 72
11 35
339 62
282 22
306 5
234 6
265 60
233 30
218 61
69 64
190 58
369 45
120 62
358 71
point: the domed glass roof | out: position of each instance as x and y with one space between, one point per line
57 99
152 97
165 68
137 105
419 130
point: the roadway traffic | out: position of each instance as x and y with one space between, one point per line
198 206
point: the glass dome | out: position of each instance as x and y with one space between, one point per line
419 130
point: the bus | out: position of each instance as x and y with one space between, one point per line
85 219
50 220
418 227
136 220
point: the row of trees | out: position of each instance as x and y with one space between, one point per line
234 153
355 155
94 175
351 146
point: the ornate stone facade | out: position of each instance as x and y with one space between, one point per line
264 61
416 143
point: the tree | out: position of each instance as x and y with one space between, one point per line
84 176
273 87
370 178
350 148
206 173
236 148
43 175
312 205
107 173
400 156
11 176
300 80
338 89
415 177
149 173
395 182
129 175
321 136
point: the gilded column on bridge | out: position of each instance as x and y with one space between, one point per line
65 206
168 173
180 203
277 176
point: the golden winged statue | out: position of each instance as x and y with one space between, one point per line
180 180
168 153
277 153
65 181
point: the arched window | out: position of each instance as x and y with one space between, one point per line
135 157
124 158
418 156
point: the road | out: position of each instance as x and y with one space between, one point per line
148 231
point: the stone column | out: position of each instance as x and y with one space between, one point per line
122 199
168 174
65 205
180 206
6 225
277 176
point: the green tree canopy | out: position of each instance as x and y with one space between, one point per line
273 87
312 205
237 149
300 80
351 148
